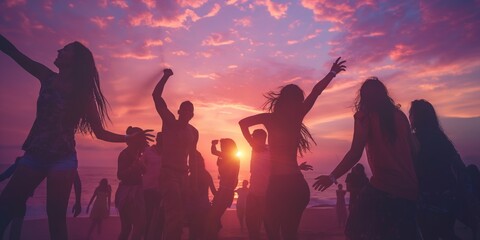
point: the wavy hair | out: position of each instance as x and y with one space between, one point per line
86 87
373 98
290 99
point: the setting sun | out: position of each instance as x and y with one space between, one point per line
239 154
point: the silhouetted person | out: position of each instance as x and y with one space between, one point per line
69 101
228 168
179 145
288 193
152 159
340 206
439 169
356 180
129 198
101 200
198 201
242 203
386 207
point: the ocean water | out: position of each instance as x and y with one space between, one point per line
91 176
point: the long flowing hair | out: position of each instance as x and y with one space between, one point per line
86 86
289 99
424 119
373 98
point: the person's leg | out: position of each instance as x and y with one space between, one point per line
15 194
59 186
139 216
16 228
99 226
149 209
173 207
253 216
91 228
297 196
125 222
273 208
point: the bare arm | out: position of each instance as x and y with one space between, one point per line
251 121
77 185
213 149
211 185
37 70
160 104
337 67
91 200
351 158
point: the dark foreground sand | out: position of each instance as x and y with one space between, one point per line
317 224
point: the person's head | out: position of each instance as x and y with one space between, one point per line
259 137
288 101
228 146
423 117
135 143
359 169
185 112
197 163
373 98
103 183
340 186
245 183
78 61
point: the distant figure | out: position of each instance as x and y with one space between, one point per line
199 203
152 159
101 200
288 193
242 203
129 198
69 102
17 221
341 206
440 171
179 145
386 207
356 180
228 168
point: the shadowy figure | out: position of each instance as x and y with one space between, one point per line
129 198
386 207
101 207
152 159
440 172
155 213
228 168
198 201
288 193
17 221
356 180
69 101
179 145
242 203
340 206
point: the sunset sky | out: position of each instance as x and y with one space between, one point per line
226 54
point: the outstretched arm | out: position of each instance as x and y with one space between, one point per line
213 149
38 70
337 67
91 200
350 159
251 121
160 104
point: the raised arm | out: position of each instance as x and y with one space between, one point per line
247 122
213 149
337 67
38 70
160 104
350 159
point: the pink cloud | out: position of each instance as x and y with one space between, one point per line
180 53
136 55
216 39
102 22
119 3
153 43
244 22
214 11
13 3
150 3
276 10
178 21
191 3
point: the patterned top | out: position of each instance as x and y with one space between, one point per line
52 133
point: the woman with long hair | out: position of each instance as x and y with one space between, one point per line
440 171
101 200
287 192
69 101
386 207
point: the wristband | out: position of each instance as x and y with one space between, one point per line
334 73
333 179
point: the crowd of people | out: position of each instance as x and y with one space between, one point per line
417 175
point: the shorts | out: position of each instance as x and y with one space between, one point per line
39 163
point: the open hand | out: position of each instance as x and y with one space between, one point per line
322 183
338 65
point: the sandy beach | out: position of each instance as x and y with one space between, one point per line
318 223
